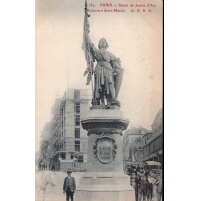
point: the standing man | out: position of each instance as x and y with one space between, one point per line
159 187
138 168
69 185
143 189
137 183
150 191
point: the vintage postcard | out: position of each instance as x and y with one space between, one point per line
99 75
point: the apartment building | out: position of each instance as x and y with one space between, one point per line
68 142
153 143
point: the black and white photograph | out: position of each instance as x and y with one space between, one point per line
99 100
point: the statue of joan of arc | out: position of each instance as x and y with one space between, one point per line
108 74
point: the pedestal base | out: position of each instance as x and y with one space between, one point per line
105 180
99 186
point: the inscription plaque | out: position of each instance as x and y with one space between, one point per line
105 149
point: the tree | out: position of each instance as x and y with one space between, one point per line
44 148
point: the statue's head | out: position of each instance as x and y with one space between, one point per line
102 43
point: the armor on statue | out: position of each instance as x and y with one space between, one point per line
108 75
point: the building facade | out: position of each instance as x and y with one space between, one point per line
133 146
153 143
68 141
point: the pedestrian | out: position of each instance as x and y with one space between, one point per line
155 184
138 168
49 167
133 167
143 189
46 166
132 180
69 185
159 187
137 183
150 191
146 171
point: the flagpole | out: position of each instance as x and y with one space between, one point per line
93 102
89 57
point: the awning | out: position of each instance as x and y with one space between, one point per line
152 163
135 163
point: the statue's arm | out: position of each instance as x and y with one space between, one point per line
93 49
116 64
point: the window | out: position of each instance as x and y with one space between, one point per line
77 107
80 159
77 94
77 132
155 142
77 120
151 148
159 142
77 145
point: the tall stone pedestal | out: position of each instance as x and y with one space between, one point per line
105 179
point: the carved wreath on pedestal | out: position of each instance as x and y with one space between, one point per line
105 148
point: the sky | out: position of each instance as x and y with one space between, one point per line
134 37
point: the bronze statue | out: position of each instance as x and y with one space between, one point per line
108 74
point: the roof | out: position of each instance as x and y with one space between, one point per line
158 115
136 131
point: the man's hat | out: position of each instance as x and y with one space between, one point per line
141 171
69 170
